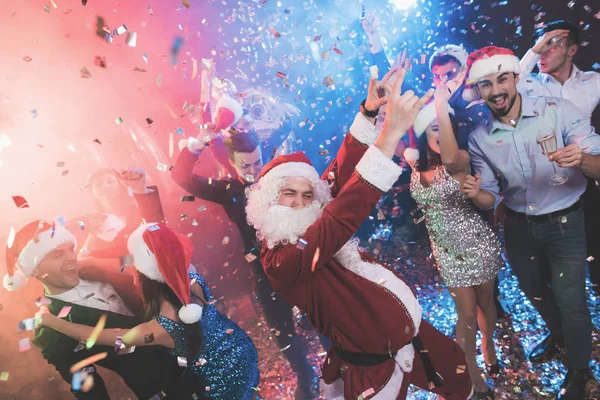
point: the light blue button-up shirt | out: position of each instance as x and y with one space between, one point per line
511 163
582 88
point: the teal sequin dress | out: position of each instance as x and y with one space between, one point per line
231 367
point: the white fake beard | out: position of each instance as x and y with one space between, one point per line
286 225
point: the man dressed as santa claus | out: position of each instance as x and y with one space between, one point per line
371 316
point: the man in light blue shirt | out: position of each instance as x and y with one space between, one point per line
545 238
557 43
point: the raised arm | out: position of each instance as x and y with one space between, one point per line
453 158
197 185
374 175
363 133
530 59
146 334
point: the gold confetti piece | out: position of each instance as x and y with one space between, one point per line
85 74
460 369
186 4
88 361
4 376
229 331
194 69
315 259
201 362
91 341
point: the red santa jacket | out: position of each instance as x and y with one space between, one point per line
360 306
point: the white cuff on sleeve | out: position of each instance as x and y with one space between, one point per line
363 130
194 145
378 170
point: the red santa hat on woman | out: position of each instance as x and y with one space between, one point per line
487 61
163 255
289 165
28 247
425 117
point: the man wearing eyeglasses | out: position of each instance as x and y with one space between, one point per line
556 45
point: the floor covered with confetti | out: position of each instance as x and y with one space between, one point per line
515 334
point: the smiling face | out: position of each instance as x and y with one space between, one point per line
297 192
247 165
499 91
58 269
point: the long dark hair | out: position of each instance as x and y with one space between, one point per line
425 152
153 292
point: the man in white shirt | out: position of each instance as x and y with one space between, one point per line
47 252
556 45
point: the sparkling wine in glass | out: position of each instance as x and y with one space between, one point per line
547 141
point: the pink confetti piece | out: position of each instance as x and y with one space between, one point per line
64 312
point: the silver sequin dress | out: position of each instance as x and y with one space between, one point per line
466 248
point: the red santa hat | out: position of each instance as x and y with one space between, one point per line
227 112
28 248
491 60
289 165
453 50
163 255
425 117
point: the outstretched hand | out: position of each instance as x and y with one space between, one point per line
402 108
379 91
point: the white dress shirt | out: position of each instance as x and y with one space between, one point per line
582 88
99 295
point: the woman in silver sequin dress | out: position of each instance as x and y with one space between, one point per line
465 247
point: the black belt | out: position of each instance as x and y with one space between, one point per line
370 360
544 217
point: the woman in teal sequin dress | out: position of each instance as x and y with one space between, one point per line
465 247
181 316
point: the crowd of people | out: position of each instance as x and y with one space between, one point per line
492 136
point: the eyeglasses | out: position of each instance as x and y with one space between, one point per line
450 75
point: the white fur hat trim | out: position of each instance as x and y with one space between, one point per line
492 65
143 259
425 117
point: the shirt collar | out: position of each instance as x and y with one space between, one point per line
528 110
75 294
575 73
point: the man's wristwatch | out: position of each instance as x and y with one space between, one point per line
367 113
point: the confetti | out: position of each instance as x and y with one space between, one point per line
229 331
161 167
76 381
315 259
42 301
20 202
202 208
26 325
182 361
187 198
301 244
85 74
131 39
225 240
374 70
149 121
119 121
149 338
97 141
24 345
64 312
175 48
91 341
186 3
4 376
80 346
88 361
34 114
27 59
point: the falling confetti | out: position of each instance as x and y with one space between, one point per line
20 202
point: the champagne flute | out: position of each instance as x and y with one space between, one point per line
547 141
